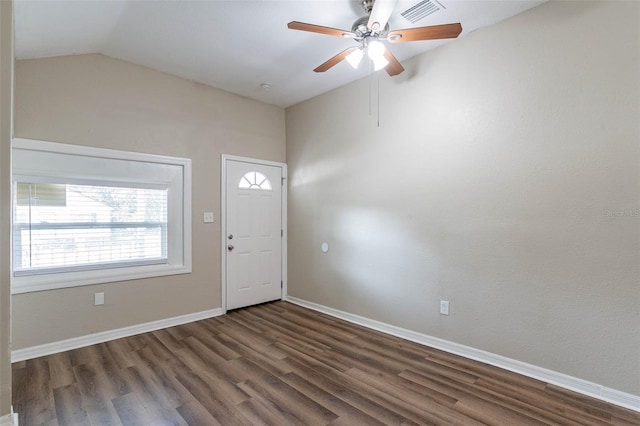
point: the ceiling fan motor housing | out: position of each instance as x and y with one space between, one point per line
360 29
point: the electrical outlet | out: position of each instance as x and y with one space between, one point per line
444 307
208 217
98 299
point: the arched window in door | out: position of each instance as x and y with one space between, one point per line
255 180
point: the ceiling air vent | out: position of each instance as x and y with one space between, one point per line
421 10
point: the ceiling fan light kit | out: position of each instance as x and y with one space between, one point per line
370 31
355 57
375 52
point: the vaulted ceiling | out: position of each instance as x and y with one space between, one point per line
235 45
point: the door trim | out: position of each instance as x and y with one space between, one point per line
223 221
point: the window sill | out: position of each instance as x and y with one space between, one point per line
32 283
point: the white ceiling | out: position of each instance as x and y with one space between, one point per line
235 45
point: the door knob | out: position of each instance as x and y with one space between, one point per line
230 247
230 236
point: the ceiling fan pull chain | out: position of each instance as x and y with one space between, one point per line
370 88
378 99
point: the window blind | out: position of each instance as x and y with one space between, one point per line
68 227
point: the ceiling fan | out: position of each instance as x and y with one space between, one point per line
369 31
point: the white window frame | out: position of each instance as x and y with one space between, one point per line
179 256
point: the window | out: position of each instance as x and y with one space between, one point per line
72 227
255 180
86 215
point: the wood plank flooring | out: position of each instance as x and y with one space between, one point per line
280 364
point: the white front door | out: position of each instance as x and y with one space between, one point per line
253 249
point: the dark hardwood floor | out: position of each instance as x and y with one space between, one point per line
280 364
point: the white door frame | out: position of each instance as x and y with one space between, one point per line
223 221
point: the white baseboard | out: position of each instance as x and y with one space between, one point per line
613 396
9 420
105 336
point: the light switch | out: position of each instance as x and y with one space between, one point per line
208 217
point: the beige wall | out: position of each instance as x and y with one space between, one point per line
98 101
6 84
504 177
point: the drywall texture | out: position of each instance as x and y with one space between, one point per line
6 87
504 177
98 101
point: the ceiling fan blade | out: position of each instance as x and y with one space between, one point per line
394 67
425 33
335 60
302 26
381 12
